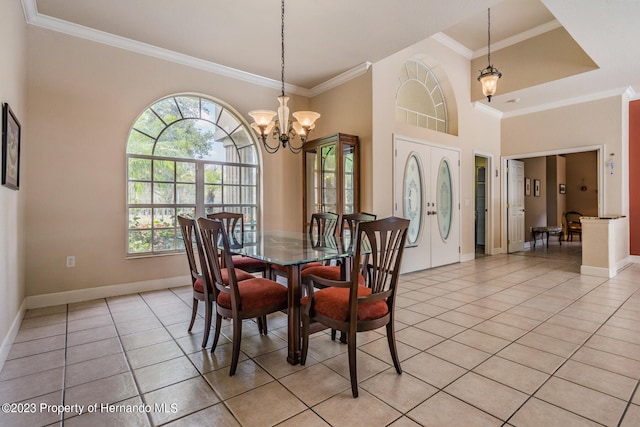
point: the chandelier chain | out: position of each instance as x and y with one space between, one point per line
282 45
488 36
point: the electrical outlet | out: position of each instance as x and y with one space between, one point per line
71 261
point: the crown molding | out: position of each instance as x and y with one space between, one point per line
484 108
572 101
540 29
452 44
336 81
631 94
34 18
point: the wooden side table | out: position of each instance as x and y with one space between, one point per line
549 230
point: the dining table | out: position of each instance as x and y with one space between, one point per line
291 250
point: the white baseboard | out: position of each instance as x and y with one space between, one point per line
603 271
468 257
635 259
622 264
5 348
68 297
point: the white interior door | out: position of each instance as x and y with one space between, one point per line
411 184
445 219
515 205
426 191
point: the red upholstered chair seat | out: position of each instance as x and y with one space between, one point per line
248 263
240 275
326 272
255 293
334 303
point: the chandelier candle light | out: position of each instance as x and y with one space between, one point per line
490 75
283 130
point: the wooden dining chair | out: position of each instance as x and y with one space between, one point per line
351 307
573 224
237 300
321 226
348 226
202 291
233 223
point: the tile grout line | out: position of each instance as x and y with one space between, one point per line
514 341
64 363
126 358
626 409
568 358
495 354
200 374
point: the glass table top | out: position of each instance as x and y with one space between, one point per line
288 247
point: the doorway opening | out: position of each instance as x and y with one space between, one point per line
552 184
481 207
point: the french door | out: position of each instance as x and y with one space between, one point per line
426 191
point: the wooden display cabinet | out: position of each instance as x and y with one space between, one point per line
331 182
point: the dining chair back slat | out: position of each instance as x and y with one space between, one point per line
233 223
351 307
237 300
201 288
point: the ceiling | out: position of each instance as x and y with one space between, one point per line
329 40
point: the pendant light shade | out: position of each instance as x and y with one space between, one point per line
489 79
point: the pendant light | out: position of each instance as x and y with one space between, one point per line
283 129
490 75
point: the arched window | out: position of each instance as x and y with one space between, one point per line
187 155
419 100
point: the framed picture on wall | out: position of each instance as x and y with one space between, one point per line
563 189
536 187
527 186
10 148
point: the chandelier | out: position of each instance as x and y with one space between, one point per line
490 75
283 130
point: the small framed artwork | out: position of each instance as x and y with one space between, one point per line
536 187
527 186
10 148
563 189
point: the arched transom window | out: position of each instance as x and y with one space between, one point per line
419 100
187 155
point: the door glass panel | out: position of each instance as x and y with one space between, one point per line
328 167
444 199
347 179
413 198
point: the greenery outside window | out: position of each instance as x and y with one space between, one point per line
187 155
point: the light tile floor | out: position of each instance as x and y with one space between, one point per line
511 340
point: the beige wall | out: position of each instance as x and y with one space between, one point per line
589 124
477 132
581 172
347 109
535 207
12 203
556 202
549 56
83 99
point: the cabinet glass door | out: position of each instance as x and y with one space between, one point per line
328 180
331 175
349 178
